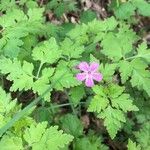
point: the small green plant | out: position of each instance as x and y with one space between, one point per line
60 7
126 10
73 86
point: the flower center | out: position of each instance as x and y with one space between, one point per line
89 72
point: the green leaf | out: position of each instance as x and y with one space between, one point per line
47 52
16 25
90 142
114 90
97 26
6 104
63 7
140 76
71 49
125 73
87 16
79 34
76 94
23 78
124 102
113 119
107 71
42 114
9 18
100 101
93 59
12 48
21 75
34 133
133 146
114 52
35 14
68 80
42 83
143 52
7 107
98 104
137 70
11 143
40 137
20 125
125 10
111 103
129 37
143 136
31 4
72 125
6 4
142 6
120 47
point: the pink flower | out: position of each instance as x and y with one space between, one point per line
89 73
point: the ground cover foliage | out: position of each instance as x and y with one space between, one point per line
43 45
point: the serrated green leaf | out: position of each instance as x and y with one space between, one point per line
140 76
6 105
114 52
68 80
16 24
113 119
11 143
125 10
143 136
107 71
20 74
99 90
120 47
24 80
125 73
40 137
124 102
143 52
72 125
98 104
133 146
111 104
97 26
76 94
34 133
90 142
9 18
87 16
142 6
115 91
47 52
79 33
35 14
5 4
12 48
129 37
42 83
71 49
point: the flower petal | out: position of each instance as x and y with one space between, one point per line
89 81
83 66
97 76
94 67
81 76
